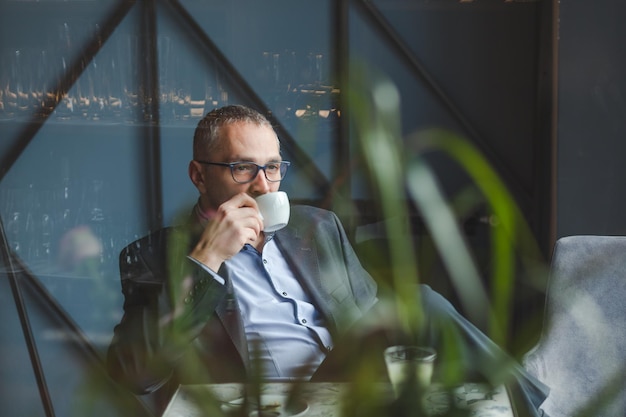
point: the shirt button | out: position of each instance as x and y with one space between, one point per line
265 261
303 321
284 293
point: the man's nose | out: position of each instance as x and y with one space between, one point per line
260 183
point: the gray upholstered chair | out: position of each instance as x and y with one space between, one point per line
582 349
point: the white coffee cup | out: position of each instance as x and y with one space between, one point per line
274 209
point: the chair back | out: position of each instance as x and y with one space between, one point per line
581 353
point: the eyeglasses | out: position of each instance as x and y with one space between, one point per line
245 172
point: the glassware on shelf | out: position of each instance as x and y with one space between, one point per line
14 229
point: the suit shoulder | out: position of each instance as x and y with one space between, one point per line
149 242
314 222
314 214
144 260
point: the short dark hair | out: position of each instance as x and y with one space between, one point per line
208 130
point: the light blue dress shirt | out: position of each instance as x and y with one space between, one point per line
280 321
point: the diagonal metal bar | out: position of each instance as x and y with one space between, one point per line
25 324
379 21
13 265
66 82
239 82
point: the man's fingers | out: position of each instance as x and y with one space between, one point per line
242 200
236 223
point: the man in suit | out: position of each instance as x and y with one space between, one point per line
221 288
220 300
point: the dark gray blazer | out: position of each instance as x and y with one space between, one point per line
204 340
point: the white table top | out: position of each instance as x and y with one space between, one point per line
325 399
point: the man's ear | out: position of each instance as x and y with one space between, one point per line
196 176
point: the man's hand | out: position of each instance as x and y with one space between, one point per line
236 222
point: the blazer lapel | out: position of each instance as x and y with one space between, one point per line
230 316
301 255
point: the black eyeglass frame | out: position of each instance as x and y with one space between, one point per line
282 169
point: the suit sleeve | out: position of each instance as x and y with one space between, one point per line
363 286
165 307
455 338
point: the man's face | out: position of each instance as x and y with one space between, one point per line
239 142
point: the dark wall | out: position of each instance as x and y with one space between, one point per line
591 122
